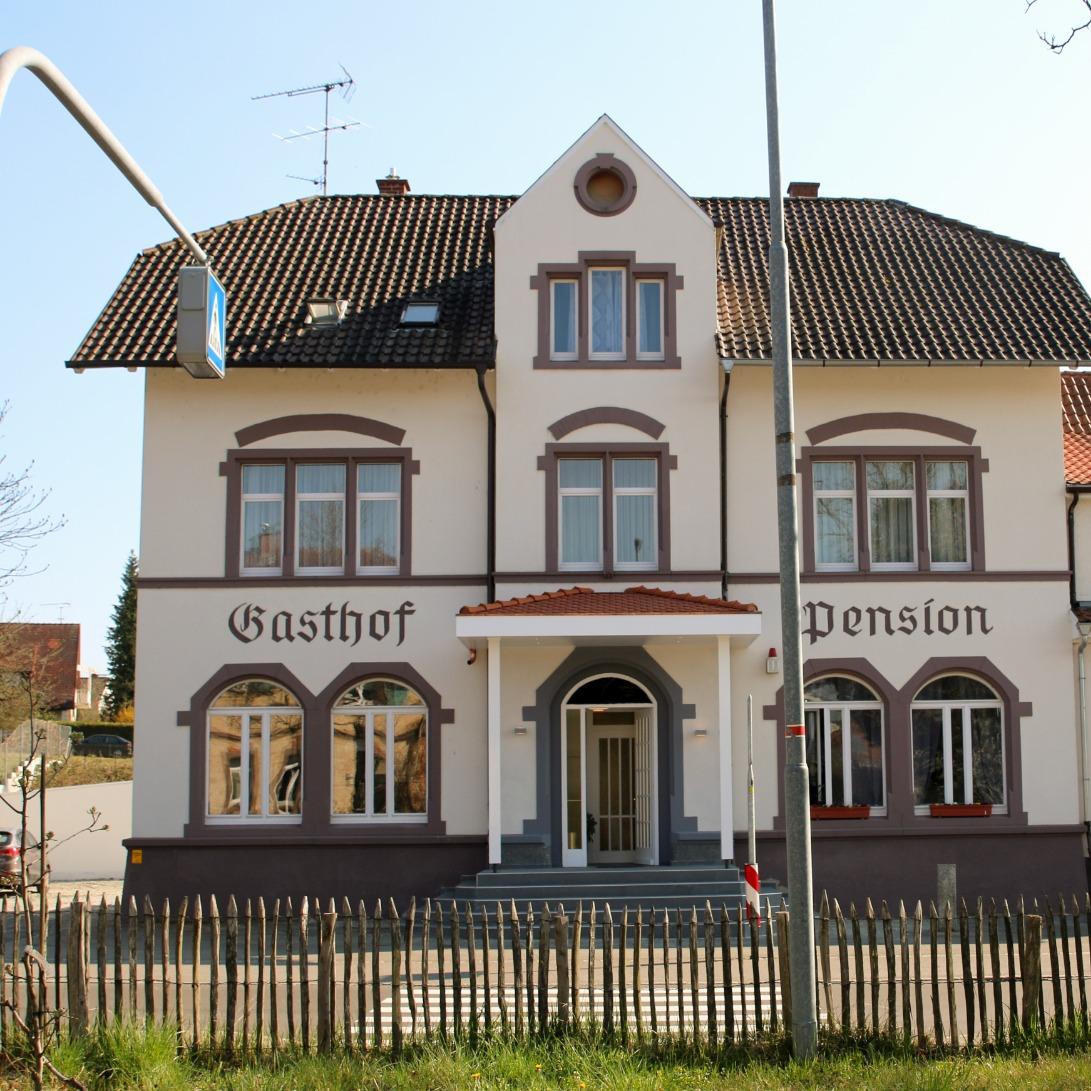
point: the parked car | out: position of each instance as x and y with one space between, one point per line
10 871
104 746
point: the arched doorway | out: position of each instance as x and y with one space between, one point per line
609 773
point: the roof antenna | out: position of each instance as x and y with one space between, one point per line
347 86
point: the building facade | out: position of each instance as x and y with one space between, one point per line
470 560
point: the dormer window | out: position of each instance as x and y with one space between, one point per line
420 313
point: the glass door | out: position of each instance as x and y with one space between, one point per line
574 852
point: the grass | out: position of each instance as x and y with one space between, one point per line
88 770
125 1058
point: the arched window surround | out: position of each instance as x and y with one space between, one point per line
317 732
898 756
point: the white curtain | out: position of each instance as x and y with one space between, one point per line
606 286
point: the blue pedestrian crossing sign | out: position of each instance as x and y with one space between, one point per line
215 351
202 323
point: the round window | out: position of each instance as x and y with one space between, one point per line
605 186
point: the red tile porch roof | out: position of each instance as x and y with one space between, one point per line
1076 416
632 600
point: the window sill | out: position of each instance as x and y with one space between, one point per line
821 814
590 363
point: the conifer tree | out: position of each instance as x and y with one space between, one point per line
121 644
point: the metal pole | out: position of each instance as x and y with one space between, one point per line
22 56
797 815
751 816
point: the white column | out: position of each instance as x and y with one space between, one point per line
723 688
494 749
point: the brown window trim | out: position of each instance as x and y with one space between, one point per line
919 456
898 756
578 271
608 451
316 819
607 162
231 468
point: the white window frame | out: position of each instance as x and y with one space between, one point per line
948 494
259 498
967 752
571 490
621 272
892 494
369 712
300 498
396 496
244 817
661 284
633 490
846 708
554 354
837 494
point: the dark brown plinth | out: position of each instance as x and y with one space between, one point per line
392 868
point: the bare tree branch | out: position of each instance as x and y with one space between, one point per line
1051 40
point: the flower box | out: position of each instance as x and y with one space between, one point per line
827 813
961 810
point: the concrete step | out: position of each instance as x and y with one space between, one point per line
632 891
597 876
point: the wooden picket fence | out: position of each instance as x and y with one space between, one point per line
265 978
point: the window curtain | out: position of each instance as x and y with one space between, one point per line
651 324
927 755
606 285
866 748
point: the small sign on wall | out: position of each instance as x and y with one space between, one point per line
136 856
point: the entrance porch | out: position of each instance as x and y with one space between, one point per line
599 677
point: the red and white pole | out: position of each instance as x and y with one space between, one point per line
751 878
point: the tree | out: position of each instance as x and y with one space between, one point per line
121 643
1058 44
22 522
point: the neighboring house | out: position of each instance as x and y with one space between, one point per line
50 653
470 559
89 694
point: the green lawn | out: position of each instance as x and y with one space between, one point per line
123 1060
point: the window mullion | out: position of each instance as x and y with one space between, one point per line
846 756
369 767
263 772
967 758
948 759
827 754
390 763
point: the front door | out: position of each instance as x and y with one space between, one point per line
619 786
608 775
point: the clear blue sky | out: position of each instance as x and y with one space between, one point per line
954 106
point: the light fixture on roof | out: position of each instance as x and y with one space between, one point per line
420 312
325 311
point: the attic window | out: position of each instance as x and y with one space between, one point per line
325 311
420 313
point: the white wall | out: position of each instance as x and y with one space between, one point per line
98 855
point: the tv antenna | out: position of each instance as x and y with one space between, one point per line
60 608
347 87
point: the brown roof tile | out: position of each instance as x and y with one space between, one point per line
570 601
1076 419
871 280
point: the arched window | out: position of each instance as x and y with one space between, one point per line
380 752
844 722
255 753
958 744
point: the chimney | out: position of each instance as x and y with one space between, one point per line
392 185
803 189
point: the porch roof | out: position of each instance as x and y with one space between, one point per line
630 615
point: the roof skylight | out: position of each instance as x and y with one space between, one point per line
420 313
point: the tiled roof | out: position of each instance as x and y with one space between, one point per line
1076 416
376 252
871 280
883 280
633 600
51 650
